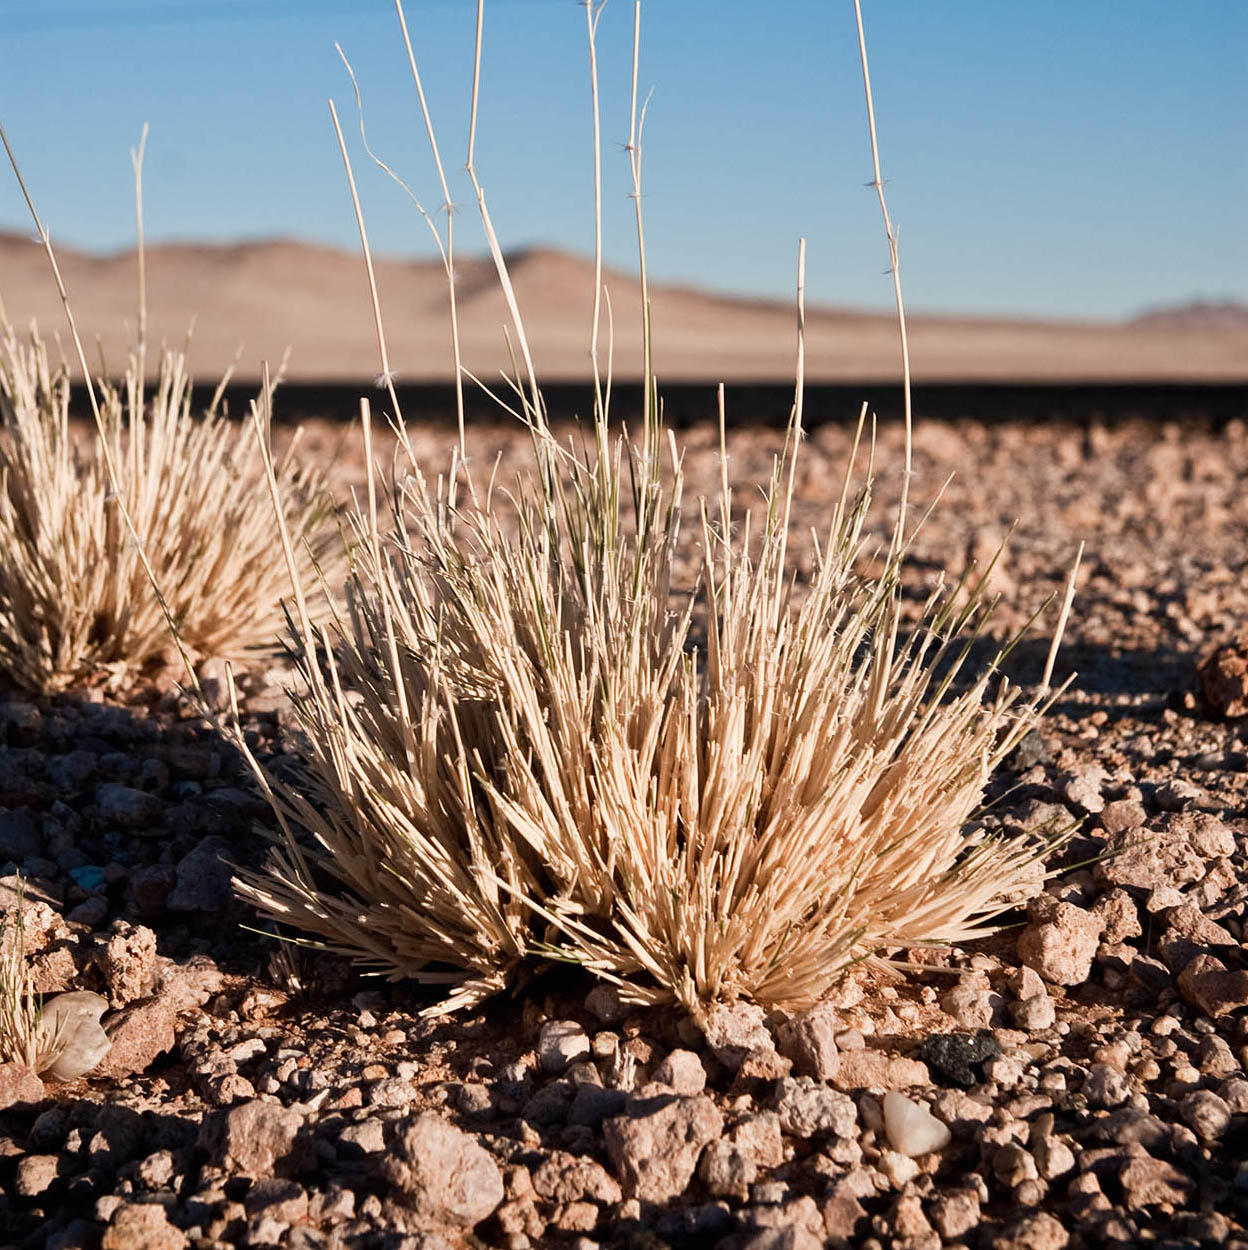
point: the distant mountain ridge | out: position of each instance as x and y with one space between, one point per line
269 294
1197 314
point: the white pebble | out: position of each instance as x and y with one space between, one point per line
900 1169
912 1129
560 1043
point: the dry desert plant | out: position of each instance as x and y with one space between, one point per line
516 742
19 1010
160 495
60 1038
75 598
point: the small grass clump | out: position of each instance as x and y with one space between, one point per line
156 523
60 1038
75 599
20 1017
517 743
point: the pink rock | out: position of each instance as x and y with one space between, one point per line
126 957
874 1069
655 1145
443 1175
1211 987
142 1226
140 1034
1147 1182
809 1040
681 1071
1061 949
1223 678
566 1177
256 1138
18 1084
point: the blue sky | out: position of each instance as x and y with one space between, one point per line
1082 157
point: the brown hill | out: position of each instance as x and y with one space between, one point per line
259 298
1201 314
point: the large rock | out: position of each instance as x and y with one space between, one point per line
140 1034
1213 988
682 1072
19 835
1171 854
876 1069
734 1029
255 1138
807 1109
1062 945
1148 1182
809 1040
41 924
1206 1113
124 805
1208 836
566 1177
204 878
142 1226
36 1174
1223 676
18 1085
655 1145
126 958
443 1176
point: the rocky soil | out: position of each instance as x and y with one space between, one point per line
1079 1080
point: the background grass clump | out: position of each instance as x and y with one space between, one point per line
517 743
149 535
76 602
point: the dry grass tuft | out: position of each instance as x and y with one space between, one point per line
513 747
59 1038
75 599
517 745
20 1017
153 536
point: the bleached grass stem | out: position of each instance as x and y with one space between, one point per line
19 1008
1063 615
536 405
136 162
386 378
877 181
448 254
593 11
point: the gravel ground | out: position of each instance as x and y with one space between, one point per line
1081 1079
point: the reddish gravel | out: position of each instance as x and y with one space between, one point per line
1081 1079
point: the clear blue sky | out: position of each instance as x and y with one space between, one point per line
1078 157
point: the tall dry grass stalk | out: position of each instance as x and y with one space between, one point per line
516 744
157 521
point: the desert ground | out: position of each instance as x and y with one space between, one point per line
1090 1062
